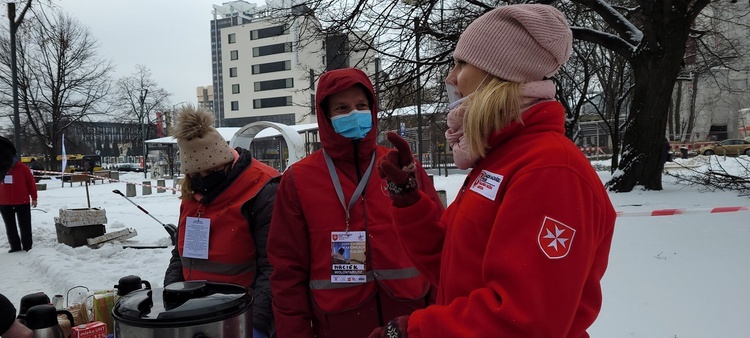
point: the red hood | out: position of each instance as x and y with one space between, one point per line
337 146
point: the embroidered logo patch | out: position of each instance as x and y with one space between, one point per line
555 238
487 184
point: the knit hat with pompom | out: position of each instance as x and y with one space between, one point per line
201 145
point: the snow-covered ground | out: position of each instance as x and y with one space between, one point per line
669 276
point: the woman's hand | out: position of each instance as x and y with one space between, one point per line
397 167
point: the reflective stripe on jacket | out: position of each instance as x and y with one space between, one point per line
231 255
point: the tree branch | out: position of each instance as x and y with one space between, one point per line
614 19
608 41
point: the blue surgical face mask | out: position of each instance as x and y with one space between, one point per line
354 125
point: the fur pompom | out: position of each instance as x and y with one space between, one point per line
192 122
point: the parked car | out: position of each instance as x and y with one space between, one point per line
727 147
130 167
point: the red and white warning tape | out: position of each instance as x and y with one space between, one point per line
659 212
672 212
58 174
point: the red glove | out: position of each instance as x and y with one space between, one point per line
395 329
397 167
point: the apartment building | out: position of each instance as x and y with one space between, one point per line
266 60
711 94
205 96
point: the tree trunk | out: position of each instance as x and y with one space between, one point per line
691 119
677 116
646 124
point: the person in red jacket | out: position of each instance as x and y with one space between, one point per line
522 249
17 195
227 200
339 270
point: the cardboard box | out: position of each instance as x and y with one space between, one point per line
90 330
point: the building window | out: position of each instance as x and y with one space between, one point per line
278 48
269 32
271 102
232 38
235 105
272 67
274 84
236 88
233 72
234 55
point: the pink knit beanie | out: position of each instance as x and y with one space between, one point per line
518 43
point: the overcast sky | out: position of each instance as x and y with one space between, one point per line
170 37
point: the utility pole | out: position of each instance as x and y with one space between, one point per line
14 23
144 92
417 32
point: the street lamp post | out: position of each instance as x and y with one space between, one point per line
170 115
142 98
417 32
14 23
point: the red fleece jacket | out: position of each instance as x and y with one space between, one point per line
22 186
526 242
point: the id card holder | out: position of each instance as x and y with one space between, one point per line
8 179
197 230
348 257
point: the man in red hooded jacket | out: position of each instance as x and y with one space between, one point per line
339 269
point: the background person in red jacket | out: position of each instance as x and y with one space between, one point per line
228 194
522 249
17 195
9 326
339 269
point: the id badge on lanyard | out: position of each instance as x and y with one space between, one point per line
197 230
348 256
348 248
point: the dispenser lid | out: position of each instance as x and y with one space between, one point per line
182 304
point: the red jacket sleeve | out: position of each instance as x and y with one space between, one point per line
428 187
289 254
524 293
30 183
422 237
411 223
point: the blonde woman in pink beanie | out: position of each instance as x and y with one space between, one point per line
522 249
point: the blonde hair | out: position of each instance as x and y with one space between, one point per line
489 109
186 188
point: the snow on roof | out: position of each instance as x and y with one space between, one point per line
427 108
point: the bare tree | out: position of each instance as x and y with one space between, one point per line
651 36
138 97
61 79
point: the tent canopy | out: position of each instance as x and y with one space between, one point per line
228 132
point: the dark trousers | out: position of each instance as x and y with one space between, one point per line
9 213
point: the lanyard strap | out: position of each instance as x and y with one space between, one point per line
337 184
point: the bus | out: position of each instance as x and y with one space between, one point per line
77 162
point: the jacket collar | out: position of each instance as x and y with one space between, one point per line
545 116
